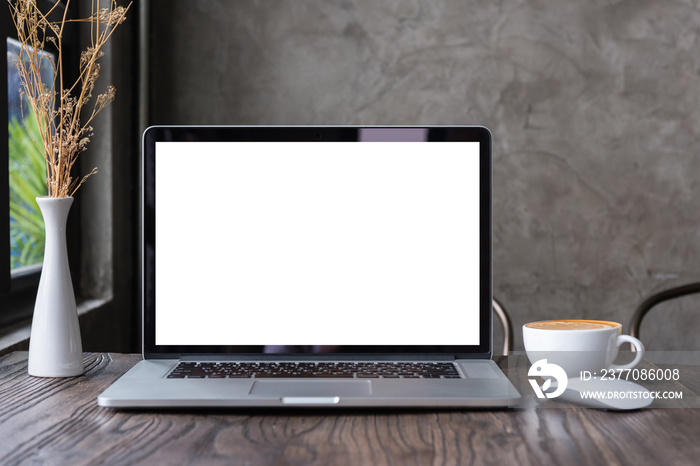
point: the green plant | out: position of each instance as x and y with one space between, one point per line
27 181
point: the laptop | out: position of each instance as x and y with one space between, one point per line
332 266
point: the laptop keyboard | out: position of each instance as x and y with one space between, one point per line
359 370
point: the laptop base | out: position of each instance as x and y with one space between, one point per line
146 386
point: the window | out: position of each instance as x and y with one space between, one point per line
27 172
103 225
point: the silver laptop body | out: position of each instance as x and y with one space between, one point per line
315 266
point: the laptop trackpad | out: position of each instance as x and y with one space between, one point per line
311 388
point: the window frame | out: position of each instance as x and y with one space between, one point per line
103 230
5 277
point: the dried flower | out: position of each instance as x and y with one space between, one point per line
64 132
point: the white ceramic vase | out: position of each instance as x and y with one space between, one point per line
55 348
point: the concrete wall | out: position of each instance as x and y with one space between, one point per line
594 107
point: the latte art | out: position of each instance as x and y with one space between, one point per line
571 325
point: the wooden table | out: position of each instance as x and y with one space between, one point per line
57 421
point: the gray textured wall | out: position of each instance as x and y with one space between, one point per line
594 108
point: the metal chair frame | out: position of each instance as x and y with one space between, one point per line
658 298
502 313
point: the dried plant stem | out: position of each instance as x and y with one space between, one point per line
64 135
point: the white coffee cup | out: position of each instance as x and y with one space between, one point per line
578 345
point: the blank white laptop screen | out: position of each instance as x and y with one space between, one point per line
303 243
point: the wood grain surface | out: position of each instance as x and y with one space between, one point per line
57 421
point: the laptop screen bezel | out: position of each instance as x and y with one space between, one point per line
320 134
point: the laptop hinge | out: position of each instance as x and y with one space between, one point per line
317 357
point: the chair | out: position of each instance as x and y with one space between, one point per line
502 314
658 298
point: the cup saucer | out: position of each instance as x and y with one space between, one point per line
607 394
